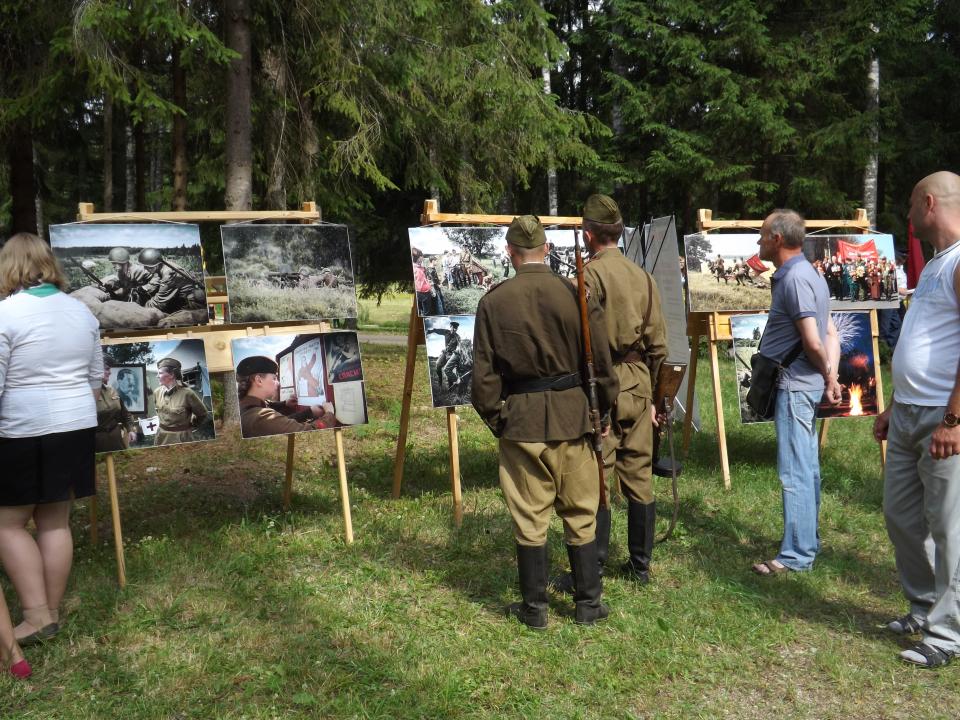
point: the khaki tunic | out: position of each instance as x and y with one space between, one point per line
113 421
259 419
625 291
180 410
526 328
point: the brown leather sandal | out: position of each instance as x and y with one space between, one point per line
769 567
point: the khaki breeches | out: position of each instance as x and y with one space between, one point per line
536 476
628 448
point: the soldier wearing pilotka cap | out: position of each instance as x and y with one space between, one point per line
528 389
636 333
261 413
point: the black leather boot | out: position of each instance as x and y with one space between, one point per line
641 526
589 586
532 567
563 583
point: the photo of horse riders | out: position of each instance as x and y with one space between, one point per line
134 276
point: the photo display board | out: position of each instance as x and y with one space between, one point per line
319 384
134 412
453 267
134 276
288 272
725 273
857 369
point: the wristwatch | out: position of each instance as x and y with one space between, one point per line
951 420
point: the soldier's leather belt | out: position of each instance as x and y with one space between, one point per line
631 356
176 428
558 382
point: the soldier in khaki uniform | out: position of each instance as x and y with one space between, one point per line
116 428
258 385
179 408
528 389
637 337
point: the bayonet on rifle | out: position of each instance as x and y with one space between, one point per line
89 274
588 365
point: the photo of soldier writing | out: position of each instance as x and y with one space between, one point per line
450 352
134 276
268 363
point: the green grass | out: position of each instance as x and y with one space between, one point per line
256 301
392 313
235 609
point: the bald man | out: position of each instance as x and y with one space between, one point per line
921 489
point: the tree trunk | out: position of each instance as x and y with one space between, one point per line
140 164
873 161
129 201
23 189
552 200
275 74
179 131
107 152
239 150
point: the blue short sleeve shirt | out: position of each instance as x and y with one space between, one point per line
799 291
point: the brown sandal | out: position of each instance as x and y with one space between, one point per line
769 567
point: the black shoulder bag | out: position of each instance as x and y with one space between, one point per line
764 377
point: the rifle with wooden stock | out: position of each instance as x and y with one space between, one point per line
588 367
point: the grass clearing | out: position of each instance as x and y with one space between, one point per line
235 609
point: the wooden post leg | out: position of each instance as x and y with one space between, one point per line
824 428
344 490
288 477
454 444
691 390
94 530
405 402
881 403
718 406
117 530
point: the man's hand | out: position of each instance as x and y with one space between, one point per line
833 392
880 425
657 418
945 442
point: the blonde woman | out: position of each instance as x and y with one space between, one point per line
51 369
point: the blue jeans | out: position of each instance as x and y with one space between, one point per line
798 464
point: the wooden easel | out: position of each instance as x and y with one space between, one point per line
432 216
715 326
216 340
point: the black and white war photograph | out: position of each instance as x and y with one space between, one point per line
290 383
453 267
154 393
450 354
134 276
288 272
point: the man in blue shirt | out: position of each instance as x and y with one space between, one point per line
799 317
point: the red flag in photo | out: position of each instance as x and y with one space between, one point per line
756 264
853 251
915 261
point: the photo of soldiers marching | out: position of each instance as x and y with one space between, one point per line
134 276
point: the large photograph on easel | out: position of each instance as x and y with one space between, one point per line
154 394
453 267
288 272
299 382
133 277
857 367
725 273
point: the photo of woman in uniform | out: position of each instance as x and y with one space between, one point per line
179 409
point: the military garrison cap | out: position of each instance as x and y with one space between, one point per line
601 209
169 362
257 364
526 232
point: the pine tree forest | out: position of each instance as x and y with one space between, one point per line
369 107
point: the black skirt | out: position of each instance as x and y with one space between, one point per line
48 468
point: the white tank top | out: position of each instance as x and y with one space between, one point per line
925 361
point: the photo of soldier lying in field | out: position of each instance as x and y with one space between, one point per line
134 276
450 354
288 272
453 267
